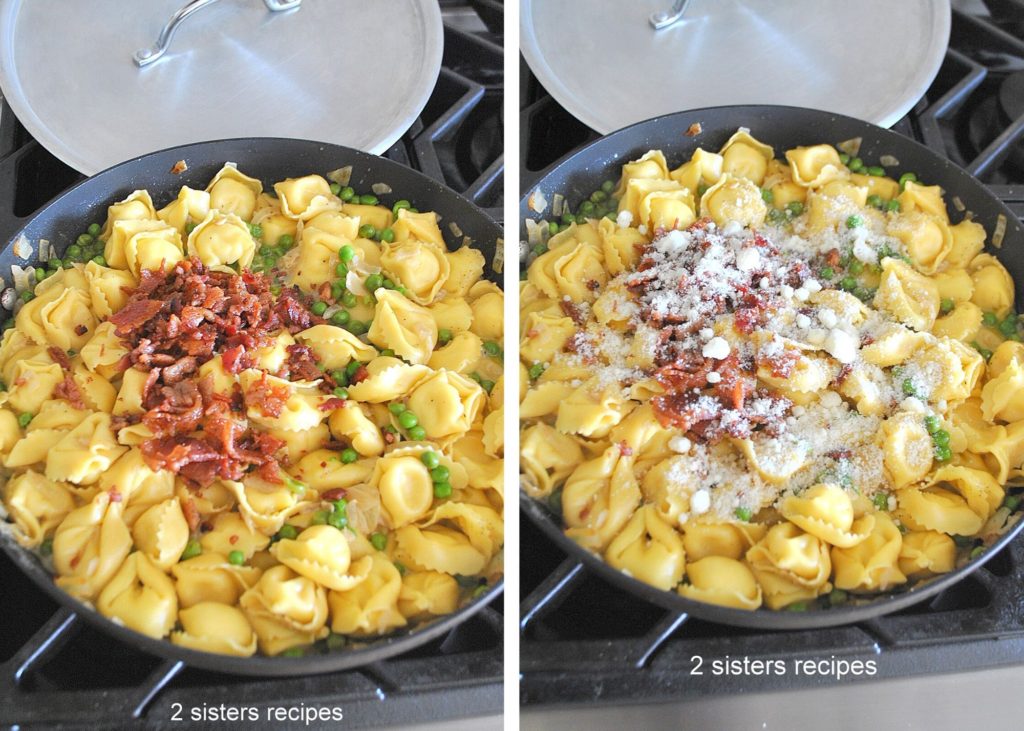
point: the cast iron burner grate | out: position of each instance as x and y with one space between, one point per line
57 671
582 639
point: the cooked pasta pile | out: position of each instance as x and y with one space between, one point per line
771 383
259 420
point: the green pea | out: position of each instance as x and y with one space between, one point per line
430 460
855 164
285 241
844 158
893 206
236 558
84 240
396 407
54 264
192 549
943 454
744 514
347 193
598 196
94 229
856 266
797 607
553 227
875 201
794 208
387 235
847 283
946 305
374 282
357 327
876 171
335 189
46 547
401 568
908 387
536 370
1012 502
101 260
612 216
407 420
1008 326
417 434
341 392
294 652
932 423
608 186
40 274
368 231
907 178
24 419
340 270
399 205
388 353
337 520
586 208
767 195
340 318
288 531
319 518
827 273
492 349
369 199
487 385
378 541
776 216
337 290
255 230
837 596
73 252
854 221
349 299
563 227
442 490
539 249
440 474
444 335
568 218
347 253
319 308
27 296
294 486
349 455
880 501
990 319
388 284
985 352
941 438
336 641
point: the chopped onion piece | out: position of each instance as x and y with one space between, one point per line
969 216
888 161
380 188
524 250
454 228
557 205
329 312
355 285
499 256
959 204
8 298
341 176
22 278
532 232
1000 231
45 250
22 247
851 147
537 202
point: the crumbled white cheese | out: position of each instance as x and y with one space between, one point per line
812 285
842 346
679 444
763 284
717 348
911 403
624 219
827 318
700 502
801 294
803 320
748 259
816 336
714 377
707 333
786 291
732 227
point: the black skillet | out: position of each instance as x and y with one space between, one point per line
783 128
271 160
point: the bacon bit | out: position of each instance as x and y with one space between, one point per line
302 364
866 339
179 167
840 453
81 329
332 403
76 560
624 449
360 375
571 310
832 257
115 495
267 398
271 472
574 342
191 513
593 285
390 438
135 314
233 539
532 333
844 372
68 389
58 356
781 365
693 130
336 493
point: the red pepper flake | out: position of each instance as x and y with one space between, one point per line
624 449
115 495
76 560
233 539
81 329
332 403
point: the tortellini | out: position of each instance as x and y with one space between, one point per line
753 381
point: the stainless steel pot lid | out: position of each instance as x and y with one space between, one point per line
603 61
349 72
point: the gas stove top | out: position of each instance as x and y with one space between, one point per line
586 643
56 671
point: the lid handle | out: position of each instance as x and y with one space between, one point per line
146 56
665 18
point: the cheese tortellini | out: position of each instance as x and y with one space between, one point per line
769 382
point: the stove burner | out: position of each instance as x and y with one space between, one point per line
1011 96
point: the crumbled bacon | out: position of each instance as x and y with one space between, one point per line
266 397
332 403
571 310
81 329
192 517
336 493
782 364
301 363
59 357
68 389
115 495
624 449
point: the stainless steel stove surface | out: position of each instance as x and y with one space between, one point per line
58 672
595 657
